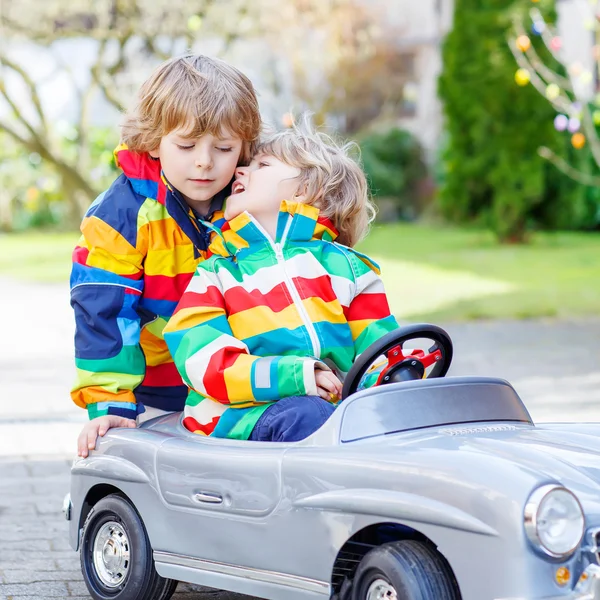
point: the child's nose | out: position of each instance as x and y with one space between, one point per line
240 172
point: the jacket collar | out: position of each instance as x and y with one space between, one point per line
296 223
147 179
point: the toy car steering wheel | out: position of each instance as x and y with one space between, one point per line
403 365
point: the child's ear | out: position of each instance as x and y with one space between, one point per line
154 153
301 195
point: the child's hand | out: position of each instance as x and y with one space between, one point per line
98 427
329 386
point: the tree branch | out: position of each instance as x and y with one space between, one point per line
562 165
18 114
82 127
103 85
13 134
561 103
35 99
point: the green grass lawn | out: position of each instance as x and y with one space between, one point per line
37 256
434 274
452 274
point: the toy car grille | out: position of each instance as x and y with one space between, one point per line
347 561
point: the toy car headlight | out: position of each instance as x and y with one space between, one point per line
554 520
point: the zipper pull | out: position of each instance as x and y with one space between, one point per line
278 252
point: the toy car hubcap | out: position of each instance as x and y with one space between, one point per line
381 590
111 554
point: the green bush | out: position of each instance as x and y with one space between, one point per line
492 171
394 164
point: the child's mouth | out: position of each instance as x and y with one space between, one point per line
237 188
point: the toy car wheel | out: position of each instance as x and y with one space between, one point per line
405 570
116 556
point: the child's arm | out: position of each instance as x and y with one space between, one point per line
216 364
368 314
106 284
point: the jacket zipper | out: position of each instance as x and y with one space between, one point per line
278 249
312 332
127 287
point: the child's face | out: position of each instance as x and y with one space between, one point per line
198 168
260 187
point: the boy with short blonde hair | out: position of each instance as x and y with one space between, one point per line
195 121
273 320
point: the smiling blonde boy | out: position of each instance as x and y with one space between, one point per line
271 322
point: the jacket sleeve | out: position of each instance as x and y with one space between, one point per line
217 365
106 285
368 314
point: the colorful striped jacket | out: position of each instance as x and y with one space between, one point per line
259 315
139 248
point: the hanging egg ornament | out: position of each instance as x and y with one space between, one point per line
411 91
574 124
596 117
578 141
552 92
194 23
523 43
561 122
538 27
589 24
556 43
575 69
596 52
522 77
586 77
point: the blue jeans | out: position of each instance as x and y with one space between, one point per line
292 419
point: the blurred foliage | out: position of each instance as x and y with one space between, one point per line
395 167
492 171
31 191
331 53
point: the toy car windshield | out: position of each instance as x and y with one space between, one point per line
430 403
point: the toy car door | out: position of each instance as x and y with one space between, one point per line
216 491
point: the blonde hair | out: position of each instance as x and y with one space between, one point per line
198 94
330 178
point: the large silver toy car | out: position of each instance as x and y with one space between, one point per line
422 489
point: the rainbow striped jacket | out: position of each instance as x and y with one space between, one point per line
139 248
259 315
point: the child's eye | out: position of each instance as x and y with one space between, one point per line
263 164
185 147
225 149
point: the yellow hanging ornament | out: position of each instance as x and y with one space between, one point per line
552 92
522 77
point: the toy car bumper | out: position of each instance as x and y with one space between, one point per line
67 507
587 588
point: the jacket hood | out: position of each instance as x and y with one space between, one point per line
296 222
143 171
